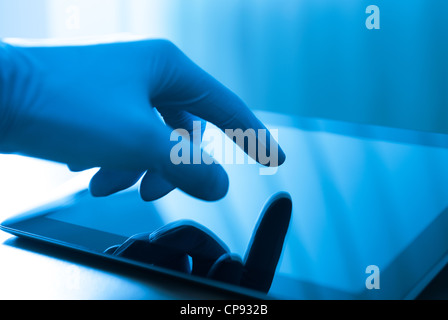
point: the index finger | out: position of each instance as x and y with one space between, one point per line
190 88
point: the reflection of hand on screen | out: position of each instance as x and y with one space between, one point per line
170 246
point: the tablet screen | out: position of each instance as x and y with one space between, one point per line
357 201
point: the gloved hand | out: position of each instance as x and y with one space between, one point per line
98 106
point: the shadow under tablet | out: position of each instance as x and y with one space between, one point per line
190 247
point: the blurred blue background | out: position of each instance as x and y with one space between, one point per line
304 57
312 58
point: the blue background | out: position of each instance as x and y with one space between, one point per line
304 57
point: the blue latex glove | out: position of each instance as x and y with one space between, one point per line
96 106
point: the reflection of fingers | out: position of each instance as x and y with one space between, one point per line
266 244
227 268
106 182
195 240
190 237
139 248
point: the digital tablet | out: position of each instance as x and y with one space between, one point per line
356 212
